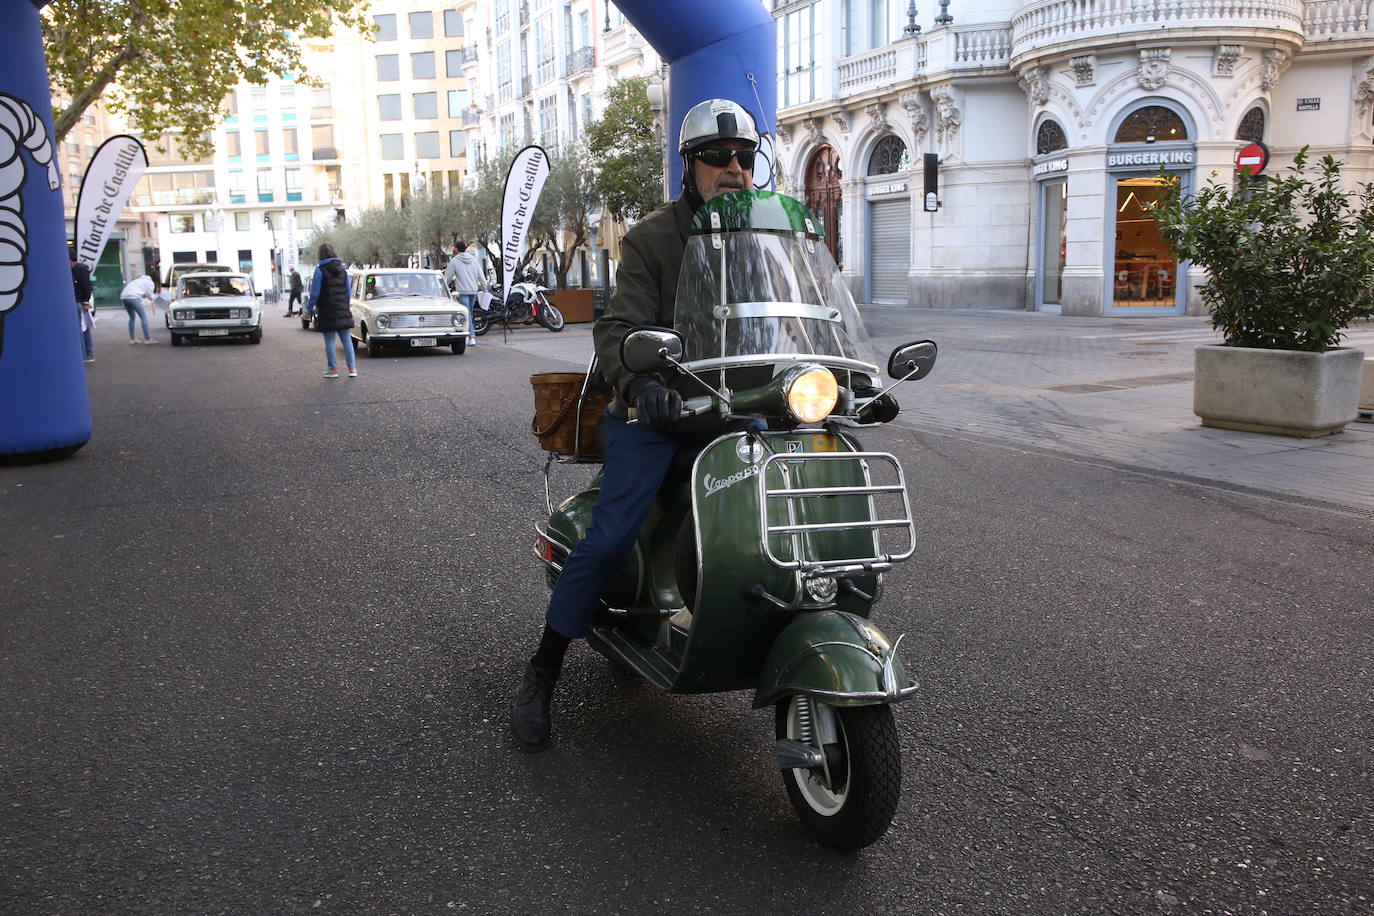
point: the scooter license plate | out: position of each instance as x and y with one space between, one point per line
214 332
424 342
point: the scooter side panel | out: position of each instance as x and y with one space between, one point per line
837 657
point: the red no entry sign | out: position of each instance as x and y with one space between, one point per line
1252 158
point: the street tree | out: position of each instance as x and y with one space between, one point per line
565 207
167 65
624 142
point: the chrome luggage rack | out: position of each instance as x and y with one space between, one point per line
797 532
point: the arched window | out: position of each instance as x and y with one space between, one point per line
1151 123
889 156
1050 137
1252 126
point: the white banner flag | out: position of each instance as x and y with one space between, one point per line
110 178
292 254
524 183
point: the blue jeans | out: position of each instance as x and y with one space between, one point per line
346 340
637 460
135 307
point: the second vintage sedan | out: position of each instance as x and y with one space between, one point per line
218 304
402 307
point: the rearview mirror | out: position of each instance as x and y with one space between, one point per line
650 349
912 361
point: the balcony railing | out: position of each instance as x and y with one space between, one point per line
1045 23
469 54
1337 18
620 44
581 60
471 116
526 86
981 46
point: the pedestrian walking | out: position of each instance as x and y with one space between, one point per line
138 290
329 301
84 290
466 275
296 290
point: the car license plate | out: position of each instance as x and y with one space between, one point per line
214 332
424 342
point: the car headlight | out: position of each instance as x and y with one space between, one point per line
181 314
457 319
383 321
812 395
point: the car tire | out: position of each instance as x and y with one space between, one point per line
256 336
374 349
176 340
459 346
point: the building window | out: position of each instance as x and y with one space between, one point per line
321 102
503 72
388 68
260 143
422 25
427 145
241 221
543 43
797 57
386 27
305 219
183 222
276 219
322 142
548 120
457 143
1151 123
231 104
264 184
453 24
287 95
426 104
1050 137
258 94
1252 126
507 130
422 65
246 260
393 146
389 107
290 143
889 157
457 102
232 145
453 63
293 184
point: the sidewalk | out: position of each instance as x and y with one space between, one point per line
1117 390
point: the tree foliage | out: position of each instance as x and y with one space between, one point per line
624 144
168 64
1290 258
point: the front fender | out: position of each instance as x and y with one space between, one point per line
836 657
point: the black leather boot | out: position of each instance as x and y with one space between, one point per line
530 720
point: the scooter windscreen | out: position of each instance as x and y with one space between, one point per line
759 287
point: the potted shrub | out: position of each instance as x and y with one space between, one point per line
1290 263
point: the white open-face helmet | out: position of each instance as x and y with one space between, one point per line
717 119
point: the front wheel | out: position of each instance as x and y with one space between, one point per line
374 347
458 346
256 336
480 323
550 317
848 802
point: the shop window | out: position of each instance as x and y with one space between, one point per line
1151 123
1252 126
889 157
1050 137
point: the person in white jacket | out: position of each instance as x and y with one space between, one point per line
466 275
132 296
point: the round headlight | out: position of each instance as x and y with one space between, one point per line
812 395
383 321
457 319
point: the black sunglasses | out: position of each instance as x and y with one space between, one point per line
720 158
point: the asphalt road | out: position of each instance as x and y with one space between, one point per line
260 636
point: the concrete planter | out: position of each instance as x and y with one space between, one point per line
1283 392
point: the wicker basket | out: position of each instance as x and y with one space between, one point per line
564 421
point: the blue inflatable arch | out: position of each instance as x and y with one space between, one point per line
44 410
724 49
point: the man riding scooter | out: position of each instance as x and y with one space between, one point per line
718 146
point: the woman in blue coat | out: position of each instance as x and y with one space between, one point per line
329 301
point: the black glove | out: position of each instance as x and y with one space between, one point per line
655 404
882 410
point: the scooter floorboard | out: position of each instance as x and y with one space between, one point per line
658 667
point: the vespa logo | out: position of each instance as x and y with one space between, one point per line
715 485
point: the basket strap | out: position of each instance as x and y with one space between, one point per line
568 403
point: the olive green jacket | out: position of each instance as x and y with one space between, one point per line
646 290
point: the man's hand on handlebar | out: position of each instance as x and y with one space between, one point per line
654 403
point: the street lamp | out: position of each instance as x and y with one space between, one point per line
267 218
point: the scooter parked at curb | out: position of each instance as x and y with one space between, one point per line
765 551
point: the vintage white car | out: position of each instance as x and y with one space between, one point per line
218 304
403 307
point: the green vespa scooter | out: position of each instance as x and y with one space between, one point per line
759 568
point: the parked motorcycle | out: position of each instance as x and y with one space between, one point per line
528 302
765 553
